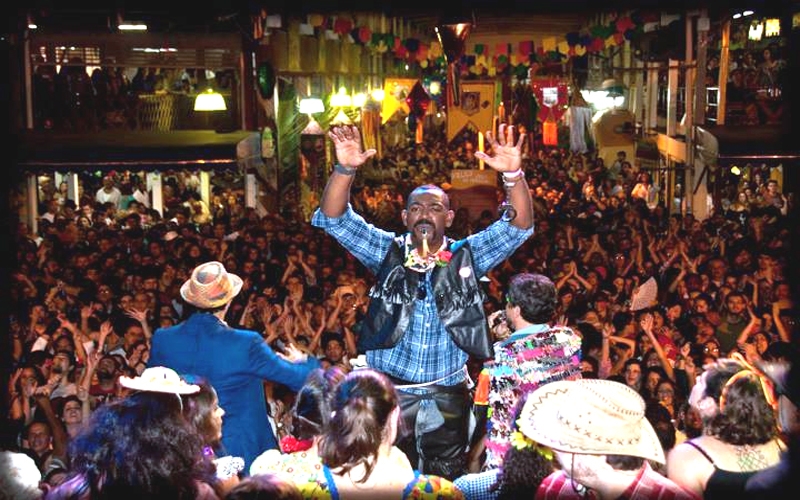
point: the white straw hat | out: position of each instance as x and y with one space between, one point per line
591 417
159 379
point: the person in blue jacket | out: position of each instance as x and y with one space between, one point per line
235 362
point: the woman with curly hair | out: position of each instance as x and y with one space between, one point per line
525 464
740 434
139 447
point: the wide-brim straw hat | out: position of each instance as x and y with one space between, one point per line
211 286
591 417
159 379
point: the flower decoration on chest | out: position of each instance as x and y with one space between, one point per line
290 444
426 260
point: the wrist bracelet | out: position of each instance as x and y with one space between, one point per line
344 170
513 175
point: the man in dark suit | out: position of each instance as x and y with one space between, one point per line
235 362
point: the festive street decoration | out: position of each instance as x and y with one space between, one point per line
452 53
418 101
396 91
552 94
477 110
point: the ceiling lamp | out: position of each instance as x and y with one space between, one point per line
341 99
359 100
210 101
452 34
132 26
311 105
378 94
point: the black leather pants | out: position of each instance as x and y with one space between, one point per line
441 451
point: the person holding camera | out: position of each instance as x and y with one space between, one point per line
536 352
425 316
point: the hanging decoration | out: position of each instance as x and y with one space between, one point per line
451 52
550 129
453 37
434 85
476 111
552 94
396 90
418 101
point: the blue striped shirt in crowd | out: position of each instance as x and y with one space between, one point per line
426 352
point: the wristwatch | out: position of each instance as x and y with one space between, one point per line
344 170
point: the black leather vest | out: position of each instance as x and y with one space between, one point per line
457 292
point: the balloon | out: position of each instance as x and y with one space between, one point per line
265 80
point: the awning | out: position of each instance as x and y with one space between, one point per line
47 151
757 143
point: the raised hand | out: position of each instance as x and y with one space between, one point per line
139 315
105 330
86 311
292 354
507 153
12 381
64 321
347 140
647 322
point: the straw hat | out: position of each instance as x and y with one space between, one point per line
159 379
211 286
19 476
590 417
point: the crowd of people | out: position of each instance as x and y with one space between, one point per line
116 309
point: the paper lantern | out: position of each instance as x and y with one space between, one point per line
418 101
550 129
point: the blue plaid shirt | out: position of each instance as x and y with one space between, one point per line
476 486
426 352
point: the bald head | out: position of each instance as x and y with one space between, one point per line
429 189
